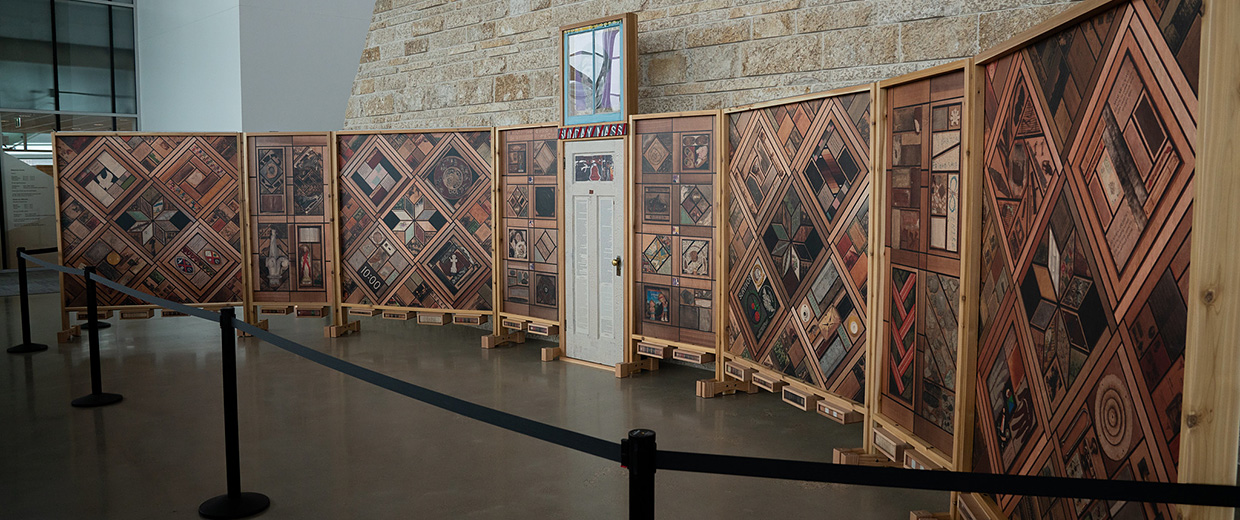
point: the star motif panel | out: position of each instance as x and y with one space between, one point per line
530 199
674 269
415 220
156 212
799 221
291 224
920 336
1089 158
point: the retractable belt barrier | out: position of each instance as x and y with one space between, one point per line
639 454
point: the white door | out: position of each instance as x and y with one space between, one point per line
594 236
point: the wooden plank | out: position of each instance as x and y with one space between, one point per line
654 351
693 356
542 329
469 319
707 388
839 412
101 314
767 382
280 310
972 506
335 331
432 318
968 323
363 311
890 445
915 460
1211 413
875 303
399 315
799 399
311 311
738 371
511 324
137 314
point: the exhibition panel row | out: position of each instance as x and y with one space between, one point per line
985 262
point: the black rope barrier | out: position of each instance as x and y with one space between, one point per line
27 346
640 455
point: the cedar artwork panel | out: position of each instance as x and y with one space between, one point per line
799 227
675 244
416 226
1089 158
924 177
290 189
530 200
156 212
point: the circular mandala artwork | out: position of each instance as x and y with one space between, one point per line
1113 417
453 177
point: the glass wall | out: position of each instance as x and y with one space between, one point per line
64 65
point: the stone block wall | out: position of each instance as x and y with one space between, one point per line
464 63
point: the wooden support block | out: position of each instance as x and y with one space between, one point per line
838 411
495 340
973 506
889 444
922 514
335 331
552 353
802 400
707 388
627 369
693 356
362 311
137 314
768 383
262 324
311 311
859 457
85 316
654 351
169 313
282 310
469 319
738 371
69 334
433 318
915 460
511 324
398 315
542 329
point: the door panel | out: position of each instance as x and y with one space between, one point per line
594 194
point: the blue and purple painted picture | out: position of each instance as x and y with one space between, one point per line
594 73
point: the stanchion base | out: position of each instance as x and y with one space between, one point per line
102 325
93 400
224 506
26 348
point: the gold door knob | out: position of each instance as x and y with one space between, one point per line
616 262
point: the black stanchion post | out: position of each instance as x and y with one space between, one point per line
637 453
27 346
235 504
97 397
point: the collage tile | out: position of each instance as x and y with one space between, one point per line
529 196
799 246
159 213
415 219
291 218
923 299
1089 158
674 245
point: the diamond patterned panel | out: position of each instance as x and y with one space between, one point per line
415 219
529 182
157 212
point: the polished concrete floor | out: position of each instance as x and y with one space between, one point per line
324 445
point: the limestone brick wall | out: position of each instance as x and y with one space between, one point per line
463 63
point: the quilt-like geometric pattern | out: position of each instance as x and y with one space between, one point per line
1089 159
675 181
923 299
291 224
799 218
529 191
155 212
415 219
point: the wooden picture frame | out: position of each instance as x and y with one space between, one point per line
582 82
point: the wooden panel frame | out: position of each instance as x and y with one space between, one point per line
970 239
331 258
497 205
628 103
343 307
66 323
875 184
632 149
